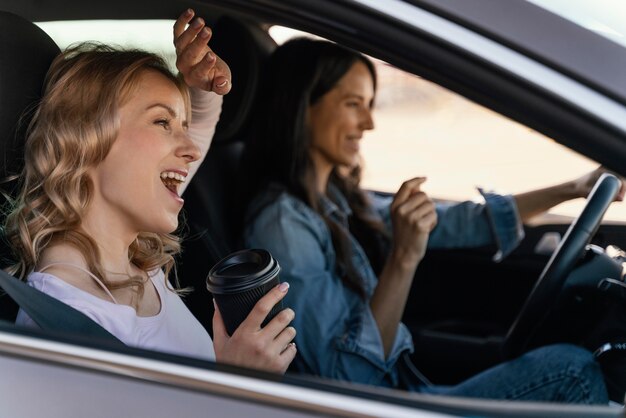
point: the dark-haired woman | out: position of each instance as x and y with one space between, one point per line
350 259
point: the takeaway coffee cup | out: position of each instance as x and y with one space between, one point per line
238 281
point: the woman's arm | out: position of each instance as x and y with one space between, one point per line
206 108
413 217
535 202
208 77
468 224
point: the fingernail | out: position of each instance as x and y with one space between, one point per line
204 33
210 56
294 345
197 23
224 84
189 12
283 287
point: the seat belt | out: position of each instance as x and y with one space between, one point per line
50 313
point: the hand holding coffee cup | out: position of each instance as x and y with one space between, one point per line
239 280
259 335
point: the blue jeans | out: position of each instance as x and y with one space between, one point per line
555 373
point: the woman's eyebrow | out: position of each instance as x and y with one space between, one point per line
353 96
169 109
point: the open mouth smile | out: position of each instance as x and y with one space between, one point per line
173 180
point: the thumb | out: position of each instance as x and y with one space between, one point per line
221 85
220 336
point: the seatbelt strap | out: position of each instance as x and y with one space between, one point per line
51 314
408 375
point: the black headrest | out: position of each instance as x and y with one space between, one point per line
243 47
26 53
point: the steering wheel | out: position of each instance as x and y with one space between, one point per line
562 262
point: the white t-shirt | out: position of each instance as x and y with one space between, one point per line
173 330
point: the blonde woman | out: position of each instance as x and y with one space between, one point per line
106 159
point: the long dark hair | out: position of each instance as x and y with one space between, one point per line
296 76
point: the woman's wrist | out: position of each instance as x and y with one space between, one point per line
574 189
405 261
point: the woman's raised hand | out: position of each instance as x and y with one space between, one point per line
413 217
269 348
195 60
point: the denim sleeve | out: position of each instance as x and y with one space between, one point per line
468 224
505 222
337 336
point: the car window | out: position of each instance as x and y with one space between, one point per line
151 35
422 129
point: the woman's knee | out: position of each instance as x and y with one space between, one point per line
579 365
566 354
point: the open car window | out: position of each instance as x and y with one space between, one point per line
423 129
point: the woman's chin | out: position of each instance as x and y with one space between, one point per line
351 160
168 226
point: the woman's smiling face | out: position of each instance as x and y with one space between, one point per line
339 118
136 185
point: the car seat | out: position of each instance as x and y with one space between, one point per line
213 208
26 54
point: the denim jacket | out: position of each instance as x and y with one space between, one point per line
337 334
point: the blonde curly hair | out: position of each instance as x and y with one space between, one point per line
73 130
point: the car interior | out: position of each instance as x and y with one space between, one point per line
21 88
461 308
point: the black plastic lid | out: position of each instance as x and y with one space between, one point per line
241 271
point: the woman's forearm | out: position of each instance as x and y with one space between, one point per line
206 108
390 297
535 202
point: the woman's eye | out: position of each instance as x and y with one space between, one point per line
163 122
353 104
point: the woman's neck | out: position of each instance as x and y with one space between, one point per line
112 238
322 172
112 242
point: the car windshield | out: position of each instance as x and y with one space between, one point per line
604 17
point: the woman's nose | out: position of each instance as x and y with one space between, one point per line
368 120
189 150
